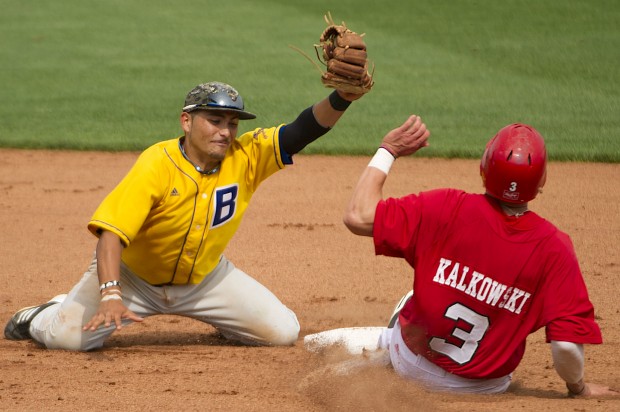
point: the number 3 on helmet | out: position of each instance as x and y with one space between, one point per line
514 164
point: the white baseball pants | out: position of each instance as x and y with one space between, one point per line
421 370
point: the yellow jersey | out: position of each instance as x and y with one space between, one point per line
175 221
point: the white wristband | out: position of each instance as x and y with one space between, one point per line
111 296
382 160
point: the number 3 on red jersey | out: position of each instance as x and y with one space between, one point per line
470 339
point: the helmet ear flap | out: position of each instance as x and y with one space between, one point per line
514 164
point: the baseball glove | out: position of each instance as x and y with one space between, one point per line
343 52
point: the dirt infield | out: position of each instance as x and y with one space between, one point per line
293 241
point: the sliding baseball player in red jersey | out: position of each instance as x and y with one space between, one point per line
164 229
487 271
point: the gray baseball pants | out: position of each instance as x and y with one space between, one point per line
230 300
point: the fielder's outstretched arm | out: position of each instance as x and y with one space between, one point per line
315 121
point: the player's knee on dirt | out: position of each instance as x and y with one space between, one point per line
63 330
285 332
71 337
66 341
65 335
275 332
286 337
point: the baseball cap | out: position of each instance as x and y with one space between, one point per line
216 96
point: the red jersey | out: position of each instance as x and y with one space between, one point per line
483 281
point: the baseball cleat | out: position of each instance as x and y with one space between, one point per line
398 307
18 328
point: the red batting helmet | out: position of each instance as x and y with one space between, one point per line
514 164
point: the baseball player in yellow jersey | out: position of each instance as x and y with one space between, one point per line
163 231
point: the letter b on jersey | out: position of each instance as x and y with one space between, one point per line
225 204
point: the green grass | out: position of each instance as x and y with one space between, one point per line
112 75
